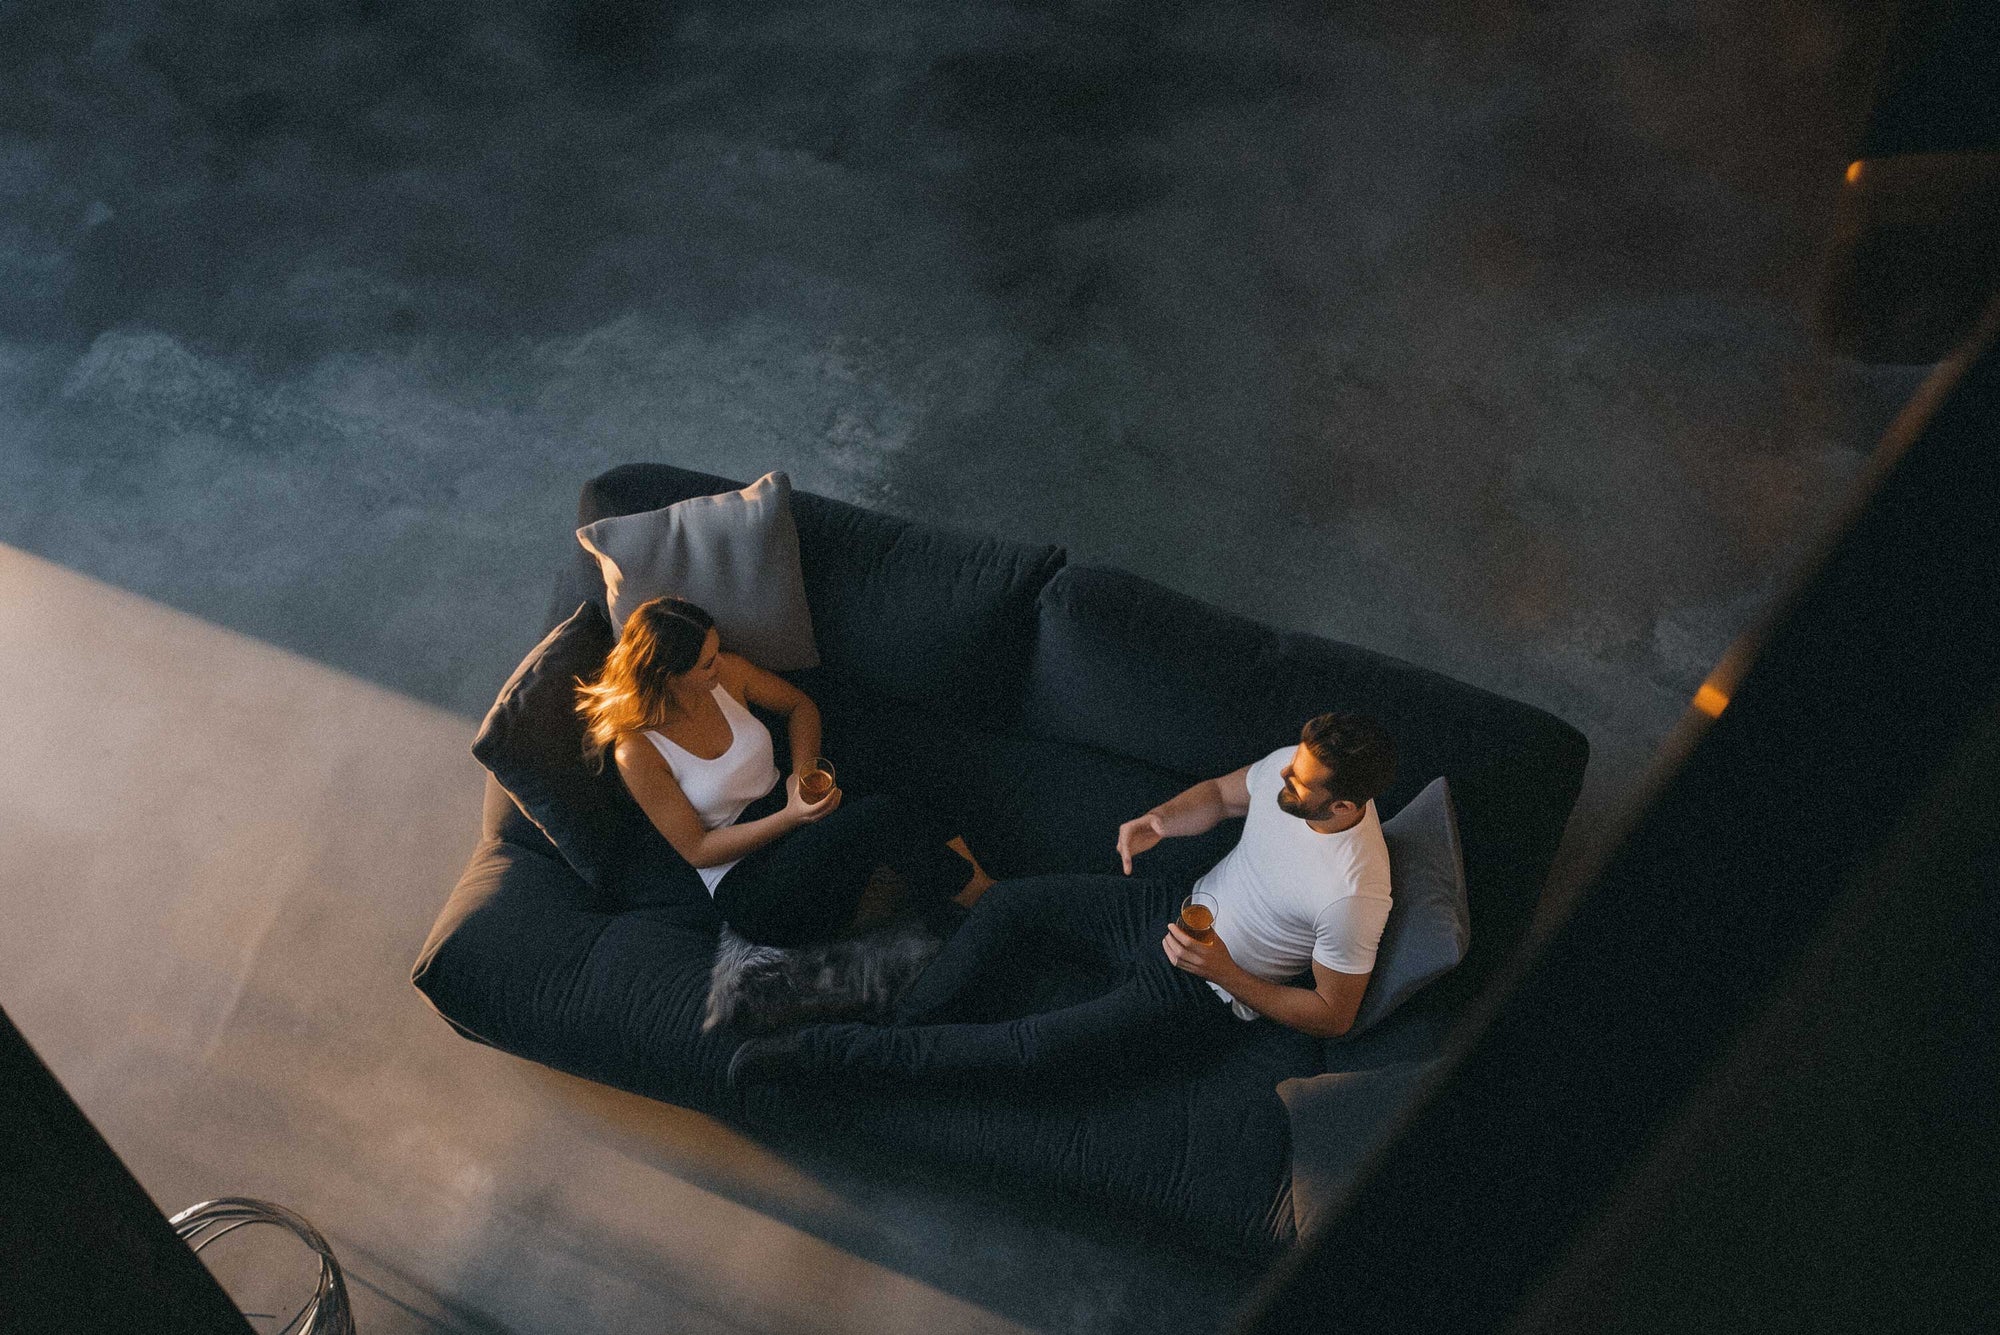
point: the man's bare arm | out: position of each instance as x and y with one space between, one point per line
1325 1010
1194 811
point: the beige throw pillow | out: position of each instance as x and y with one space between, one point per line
735 554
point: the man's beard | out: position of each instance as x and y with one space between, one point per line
1293 806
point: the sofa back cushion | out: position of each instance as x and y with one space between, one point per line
1122 664
923 614
1027 806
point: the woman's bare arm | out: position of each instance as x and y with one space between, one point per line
659 795
768 690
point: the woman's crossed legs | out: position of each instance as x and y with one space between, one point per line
806 886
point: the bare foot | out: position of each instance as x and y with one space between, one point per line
980 882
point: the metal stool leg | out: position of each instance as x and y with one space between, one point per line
328 1312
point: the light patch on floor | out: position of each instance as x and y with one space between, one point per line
221 859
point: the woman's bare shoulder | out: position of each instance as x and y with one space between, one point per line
753 685
632 751
735 671
642 767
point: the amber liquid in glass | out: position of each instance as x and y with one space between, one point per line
1198 921
815 784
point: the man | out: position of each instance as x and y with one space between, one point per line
1306 886
1307 883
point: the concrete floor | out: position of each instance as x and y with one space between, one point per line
1473 334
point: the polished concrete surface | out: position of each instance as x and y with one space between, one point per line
1474 334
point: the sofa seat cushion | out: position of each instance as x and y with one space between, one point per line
1232 690
919 613
1205 1146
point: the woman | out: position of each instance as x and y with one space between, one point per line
672 707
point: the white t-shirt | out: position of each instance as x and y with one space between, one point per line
1287 895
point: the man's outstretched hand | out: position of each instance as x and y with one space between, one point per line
1136 836
1204 959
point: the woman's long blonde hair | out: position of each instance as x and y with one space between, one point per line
662 639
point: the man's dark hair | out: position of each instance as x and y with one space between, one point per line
1357 749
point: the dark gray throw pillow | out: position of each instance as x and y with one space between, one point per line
1430 924
532 742
1337 1122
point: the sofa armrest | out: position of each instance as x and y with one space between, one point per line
524 958
517 930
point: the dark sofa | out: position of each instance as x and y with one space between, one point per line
1037 704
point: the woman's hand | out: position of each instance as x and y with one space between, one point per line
801 812
1204 959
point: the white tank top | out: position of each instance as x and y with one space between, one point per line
719 789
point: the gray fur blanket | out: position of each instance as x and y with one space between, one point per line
760 988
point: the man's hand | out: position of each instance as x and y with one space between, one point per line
1136 836
1209 960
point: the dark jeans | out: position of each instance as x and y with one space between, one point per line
1112 923
805 885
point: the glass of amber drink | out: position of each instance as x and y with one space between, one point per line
1198 916
816 781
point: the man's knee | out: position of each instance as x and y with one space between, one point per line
1028 898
